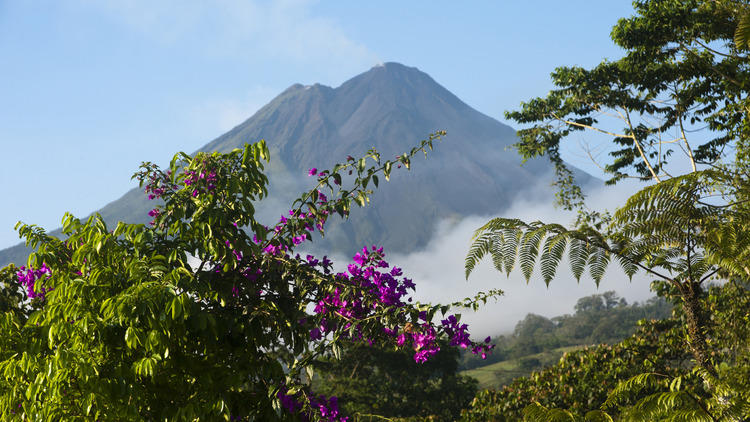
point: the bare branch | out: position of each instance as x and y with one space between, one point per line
640 149
689 150
596 129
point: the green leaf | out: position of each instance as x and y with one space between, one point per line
552 254
598 261
578 255
529 250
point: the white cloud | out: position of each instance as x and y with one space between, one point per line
286 30
438 271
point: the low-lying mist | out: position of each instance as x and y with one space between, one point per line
438 270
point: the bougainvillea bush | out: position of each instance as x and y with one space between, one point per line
204 314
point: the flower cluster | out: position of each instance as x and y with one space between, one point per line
327 408
460 337
371 287
155 188
154 213
202 181
422 339
309 221
28 277
361 293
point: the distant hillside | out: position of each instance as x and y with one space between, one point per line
539 342
391 107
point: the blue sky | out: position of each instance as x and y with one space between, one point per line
90 89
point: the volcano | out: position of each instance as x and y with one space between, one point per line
391 107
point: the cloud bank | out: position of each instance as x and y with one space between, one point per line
438 270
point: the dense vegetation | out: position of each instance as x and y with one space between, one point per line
587 378
599 318
388 383
373 381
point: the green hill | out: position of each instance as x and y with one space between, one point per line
538 342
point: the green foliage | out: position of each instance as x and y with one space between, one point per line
668 226
11 295
680 71
388 383
599 318
582 379
194 318
649 376
505 238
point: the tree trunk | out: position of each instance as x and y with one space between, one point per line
696 325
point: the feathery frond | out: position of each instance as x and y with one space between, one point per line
529 251
552 253
479 248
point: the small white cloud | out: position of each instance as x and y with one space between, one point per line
286 31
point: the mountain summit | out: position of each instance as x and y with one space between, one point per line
390 107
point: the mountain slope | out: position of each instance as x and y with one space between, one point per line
390 107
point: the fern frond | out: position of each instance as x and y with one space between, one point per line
511 239
498 224
500 237
628 266
529 251
535 412
552 253
598 261
671 406
598 416
496 251
579 256
480 247
624 389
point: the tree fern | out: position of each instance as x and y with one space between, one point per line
552 253
535 412
510 240
683 231
578 255
479 248
529 250
667 226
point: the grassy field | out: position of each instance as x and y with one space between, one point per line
502 373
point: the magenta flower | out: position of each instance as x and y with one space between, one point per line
315 334
312 172
401 339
